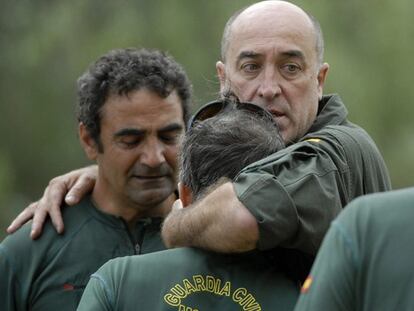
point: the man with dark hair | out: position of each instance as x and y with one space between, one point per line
221 146
132 110
191 279
121 71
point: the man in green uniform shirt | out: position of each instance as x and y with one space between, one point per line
132 109
366 261
193 279
272 55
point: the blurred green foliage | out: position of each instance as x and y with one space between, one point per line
46 45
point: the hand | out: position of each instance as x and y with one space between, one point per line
72 187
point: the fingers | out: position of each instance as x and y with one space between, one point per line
71 187
37 224
83 185
57 219
22 218
49 204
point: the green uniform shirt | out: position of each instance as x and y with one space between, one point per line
52 272
295 193
189 279
366 261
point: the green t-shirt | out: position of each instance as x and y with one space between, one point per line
51 273
295 193
366 261
189 279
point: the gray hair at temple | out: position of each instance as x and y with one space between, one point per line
316 25
224 144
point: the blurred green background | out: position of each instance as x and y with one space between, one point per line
46 45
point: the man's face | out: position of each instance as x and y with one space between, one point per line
140 134
271 60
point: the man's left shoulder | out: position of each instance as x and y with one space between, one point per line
342 132
350 138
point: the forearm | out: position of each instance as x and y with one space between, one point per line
219 222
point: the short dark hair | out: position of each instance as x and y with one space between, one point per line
224 144
122 71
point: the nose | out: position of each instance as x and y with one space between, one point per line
269 85
152 154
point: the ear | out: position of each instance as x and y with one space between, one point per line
87 142
221 74
186 196
322 74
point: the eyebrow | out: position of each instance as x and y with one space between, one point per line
294 53
171 128
247 54
286 54
138 132
129 132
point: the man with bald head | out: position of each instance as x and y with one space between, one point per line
272 55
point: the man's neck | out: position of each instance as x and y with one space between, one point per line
123 207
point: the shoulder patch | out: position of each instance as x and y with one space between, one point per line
306 285
313 140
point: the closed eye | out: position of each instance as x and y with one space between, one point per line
170 138
129 141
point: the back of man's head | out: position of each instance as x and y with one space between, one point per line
122 71
224 144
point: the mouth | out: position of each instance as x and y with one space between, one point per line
277 114
278 117
274 109
149 177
